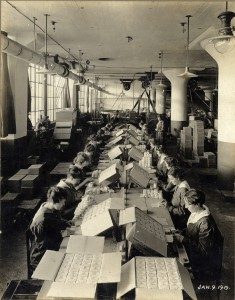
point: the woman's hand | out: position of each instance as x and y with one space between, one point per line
71 223
178 237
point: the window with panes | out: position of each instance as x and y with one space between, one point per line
55 93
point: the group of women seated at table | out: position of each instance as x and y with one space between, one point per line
195 226
62 199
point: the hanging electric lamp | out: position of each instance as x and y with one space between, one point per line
45 70
161 85
186 73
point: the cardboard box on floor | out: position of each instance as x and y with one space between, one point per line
66 115
22 172
146 234
36 169
102 216
64 124
61 168
14 183
30 181
134 276
78 281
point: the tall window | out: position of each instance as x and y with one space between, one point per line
82 98
55 93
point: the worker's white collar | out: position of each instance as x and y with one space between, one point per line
194 217
184 184
162 157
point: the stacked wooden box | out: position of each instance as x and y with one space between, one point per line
186 142
65 115
26 181
65 120
14 182
32 160
198 137
63 130
60 170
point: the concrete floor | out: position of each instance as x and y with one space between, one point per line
13 262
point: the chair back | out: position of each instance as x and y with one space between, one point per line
29 238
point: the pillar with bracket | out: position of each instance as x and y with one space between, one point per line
160 98
222 49
179 116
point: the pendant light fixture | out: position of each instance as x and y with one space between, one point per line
45 69
225 41
160 55
46 54
186 73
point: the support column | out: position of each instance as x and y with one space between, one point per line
222 49
160 98
179 111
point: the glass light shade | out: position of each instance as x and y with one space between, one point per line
223 44
187 74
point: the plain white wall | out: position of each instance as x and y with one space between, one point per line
126 101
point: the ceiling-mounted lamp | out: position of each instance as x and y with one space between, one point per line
225 41
53 24
160 56
226 18
129 38
186 73
46 36
46 54
126 84
161 85
183 25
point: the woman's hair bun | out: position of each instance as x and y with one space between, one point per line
195 196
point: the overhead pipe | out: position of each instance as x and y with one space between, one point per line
14 48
